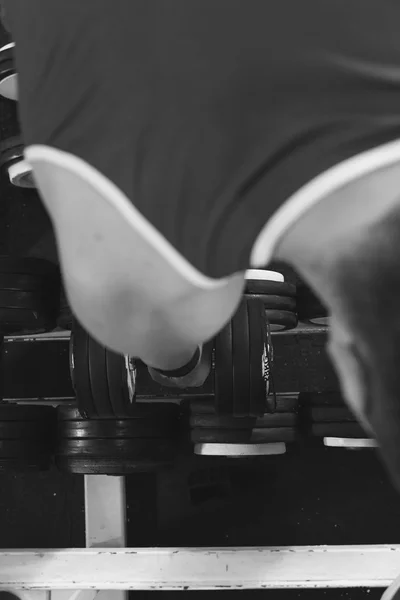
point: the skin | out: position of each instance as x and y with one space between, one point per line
352 265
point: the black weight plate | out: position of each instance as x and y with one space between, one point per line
80 349
258 358
15 320
277 419
330 414
268 420
140 410
35 301
212 421
14 430
239 436
223 372
345 430
98 379
28 266
201 406
127 428
117 385
281 320
18 412
321 399
12 142
274 302
19 448
241 361
105 466
273 288
137 448
25 464
287 402
23 283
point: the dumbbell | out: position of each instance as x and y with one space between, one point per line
106 383
215 435
146 441
29 295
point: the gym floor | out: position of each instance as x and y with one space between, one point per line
324 496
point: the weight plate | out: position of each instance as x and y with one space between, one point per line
17 412
330 414
343 430
203 406
235 436
287 402
273 288
281 320
266 421
127 428
241 361
140 410
274 302
28 266
80 350
212 421
20 448
321 399
259 363
20 321
277 419
22 283
223 373
118 387
20 430
35 301
109 466
136 448
240 451
98 378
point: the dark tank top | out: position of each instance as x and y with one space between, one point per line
208 114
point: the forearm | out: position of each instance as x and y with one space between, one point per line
159 345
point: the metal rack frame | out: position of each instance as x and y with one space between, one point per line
107 569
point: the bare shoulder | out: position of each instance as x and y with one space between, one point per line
116 265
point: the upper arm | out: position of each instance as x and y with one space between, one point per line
126 283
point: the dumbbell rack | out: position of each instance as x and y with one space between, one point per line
106 568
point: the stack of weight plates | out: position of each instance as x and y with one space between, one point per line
12 162
216 435
26 437
29 295
104 381
146 441
327 417
310 309
278 297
